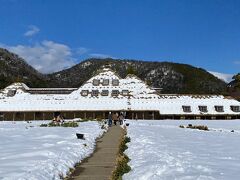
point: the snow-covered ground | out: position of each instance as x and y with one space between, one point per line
162 150
28 151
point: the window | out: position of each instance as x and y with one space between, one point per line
105 82
125 92
11 92
96 82
203 108
84 92
115 92
1 114
95 92
219 108
104 92
115 82
186 108
235 108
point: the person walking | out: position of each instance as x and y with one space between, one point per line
110 119
121 118
115 118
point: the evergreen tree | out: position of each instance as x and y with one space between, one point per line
237 80
131 70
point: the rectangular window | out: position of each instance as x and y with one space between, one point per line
105 82
95 92
186 108
105 93
203 108
11 93
125 92
84 92
235 108
96 82
115 92
115 82
219 108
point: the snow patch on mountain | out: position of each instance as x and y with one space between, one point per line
225 77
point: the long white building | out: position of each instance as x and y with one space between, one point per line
107 92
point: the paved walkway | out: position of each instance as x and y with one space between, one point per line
100 165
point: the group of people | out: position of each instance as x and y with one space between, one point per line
114 118
58 119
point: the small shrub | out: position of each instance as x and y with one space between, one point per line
181 126
127 139
43 125
200 127
70 124
122 166
57 124
123 145
53 124
83 120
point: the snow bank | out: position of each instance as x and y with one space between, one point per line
162 150
28 151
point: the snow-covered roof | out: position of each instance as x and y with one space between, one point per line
140 97
15 86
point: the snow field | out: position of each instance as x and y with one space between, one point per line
28 151
162 150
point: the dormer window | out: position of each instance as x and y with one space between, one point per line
96 82
235 108
95 92
186 108
219 108
84 92
203 108
105 82
105 93
115 92
125 92
115 82
11 93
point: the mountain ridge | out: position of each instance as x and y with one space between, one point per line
171 77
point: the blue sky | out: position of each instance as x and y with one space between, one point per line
55 34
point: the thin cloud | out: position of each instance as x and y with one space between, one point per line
237 62
101 56
32 30
46 57
81 50
49 56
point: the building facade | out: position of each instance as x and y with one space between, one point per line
107 92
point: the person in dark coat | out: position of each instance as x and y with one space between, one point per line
110 119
